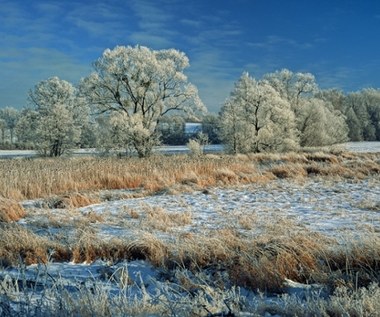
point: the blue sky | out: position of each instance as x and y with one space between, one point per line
338 41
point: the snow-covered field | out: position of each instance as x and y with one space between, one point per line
183 149
362 147
335 208
165 149
323 206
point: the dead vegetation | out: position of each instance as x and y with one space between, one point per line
213 263
10 210
230 258
74 180
261 263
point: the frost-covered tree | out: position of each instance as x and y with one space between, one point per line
293 86
358 118
335 97
9 115
322 125
3 128
140 86
255 118
317 120
372 102
231 129
363 114
210 124
26 128
60 115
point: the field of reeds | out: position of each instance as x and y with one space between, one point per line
291 269
23 179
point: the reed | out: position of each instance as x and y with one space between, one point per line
75 177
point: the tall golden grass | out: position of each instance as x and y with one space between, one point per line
10 210
261 262
37 178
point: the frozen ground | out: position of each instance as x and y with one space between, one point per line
330 207
321 206
362 147
165 149
334 208
183 149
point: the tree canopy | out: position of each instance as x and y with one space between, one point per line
141 97
138 86
255 118
59 115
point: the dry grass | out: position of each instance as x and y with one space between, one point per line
72 200
10 210
159 219
73 178
257 263
19 245
283 250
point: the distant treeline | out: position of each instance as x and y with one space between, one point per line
137 98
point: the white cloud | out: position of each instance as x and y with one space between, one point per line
150 40
191 22
154 24
214 75
272 42
347 78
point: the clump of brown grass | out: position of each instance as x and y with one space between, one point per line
269 261
19 245
188 178
76 200
133 214
289 170
41 178
10 210
323 157
356 264
87 247
148 247
72 200
226 176
160 219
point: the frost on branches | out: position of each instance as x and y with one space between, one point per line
256 119
58 116
281 112
318 123
137 86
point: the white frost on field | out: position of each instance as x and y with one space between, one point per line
358 147
362 147
329 207
326 207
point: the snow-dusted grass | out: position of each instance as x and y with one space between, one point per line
36 178
193 236
10 210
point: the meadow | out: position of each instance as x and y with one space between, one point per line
292 234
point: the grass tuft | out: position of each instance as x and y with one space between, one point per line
10 210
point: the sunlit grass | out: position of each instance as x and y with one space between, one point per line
234 258
75 177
